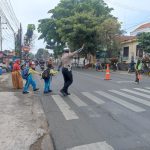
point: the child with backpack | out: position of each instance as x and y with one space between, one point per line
47 76
27 73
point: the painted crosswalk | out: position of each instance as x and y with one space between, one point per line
121 102
77 100
94 146
135 100
93 98
64 108
142 90
136 93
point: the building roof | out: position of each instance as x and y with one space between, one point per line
126 38
143 26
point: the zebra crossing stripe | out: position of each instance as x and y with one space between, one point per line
64 108
136 93
77 100
147 88
142 90
136 99
94 146
93 98
121 102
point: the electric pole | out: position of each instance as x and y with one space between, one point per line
20 41
0 33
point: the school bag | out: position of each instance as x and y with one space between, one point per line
25 73
46 74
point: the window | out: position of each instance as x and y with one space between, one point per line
126 51
139 52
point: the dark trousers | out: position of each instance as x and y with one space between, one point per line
68 79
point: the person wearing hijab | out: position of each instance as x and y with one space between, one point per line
17 80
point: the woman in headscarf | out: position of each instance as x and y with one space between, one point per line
16 76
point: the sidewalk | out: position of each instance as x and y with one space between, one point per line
23 124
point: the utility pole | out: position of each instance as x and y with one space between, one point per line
0 33
20 41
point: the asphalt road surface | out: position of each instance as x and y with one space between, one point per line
99 114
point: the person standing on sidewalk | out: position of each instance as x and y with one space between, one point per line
66 60
138 69
16 75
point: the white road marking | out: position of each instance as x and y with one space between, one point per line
142 90
136 99
93 98
92 113
77 100
147 88
64 108
94 146
89 75
124 81
121 102
137 93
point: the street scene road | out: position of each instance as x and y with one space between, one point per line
99 114
74 75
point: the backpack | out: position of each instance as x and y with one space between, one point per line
46 74
25 73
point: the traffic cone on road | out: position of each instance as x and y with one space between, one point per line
107 75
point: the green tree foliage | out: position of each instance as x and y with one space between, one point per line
144 41
42 54
29 34
77 22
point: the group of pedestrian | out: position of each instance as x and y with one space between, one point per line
27 70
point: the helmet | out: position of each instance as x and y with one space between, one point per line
66 49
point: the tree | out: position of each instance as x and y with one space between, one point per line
77 22
144 41
29 35
42 54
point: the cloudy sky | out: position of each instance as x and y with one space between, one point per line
129 12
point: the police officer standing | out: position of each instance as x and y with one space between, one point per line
66 61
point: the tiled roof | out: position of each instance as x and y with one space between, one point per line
143 26
126 38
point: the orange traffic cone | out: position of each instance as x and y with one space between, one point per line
107 75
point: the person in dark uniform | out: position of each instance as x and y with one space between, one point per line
66 64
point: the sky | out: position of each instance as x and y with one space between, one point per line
130 13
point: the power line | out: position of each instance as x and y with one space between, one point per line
8 14
124 6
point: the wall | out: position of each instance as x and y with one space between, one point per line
132 50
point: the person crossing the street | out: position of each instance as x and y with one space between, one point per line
29 80
47 76
138 69
66 64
